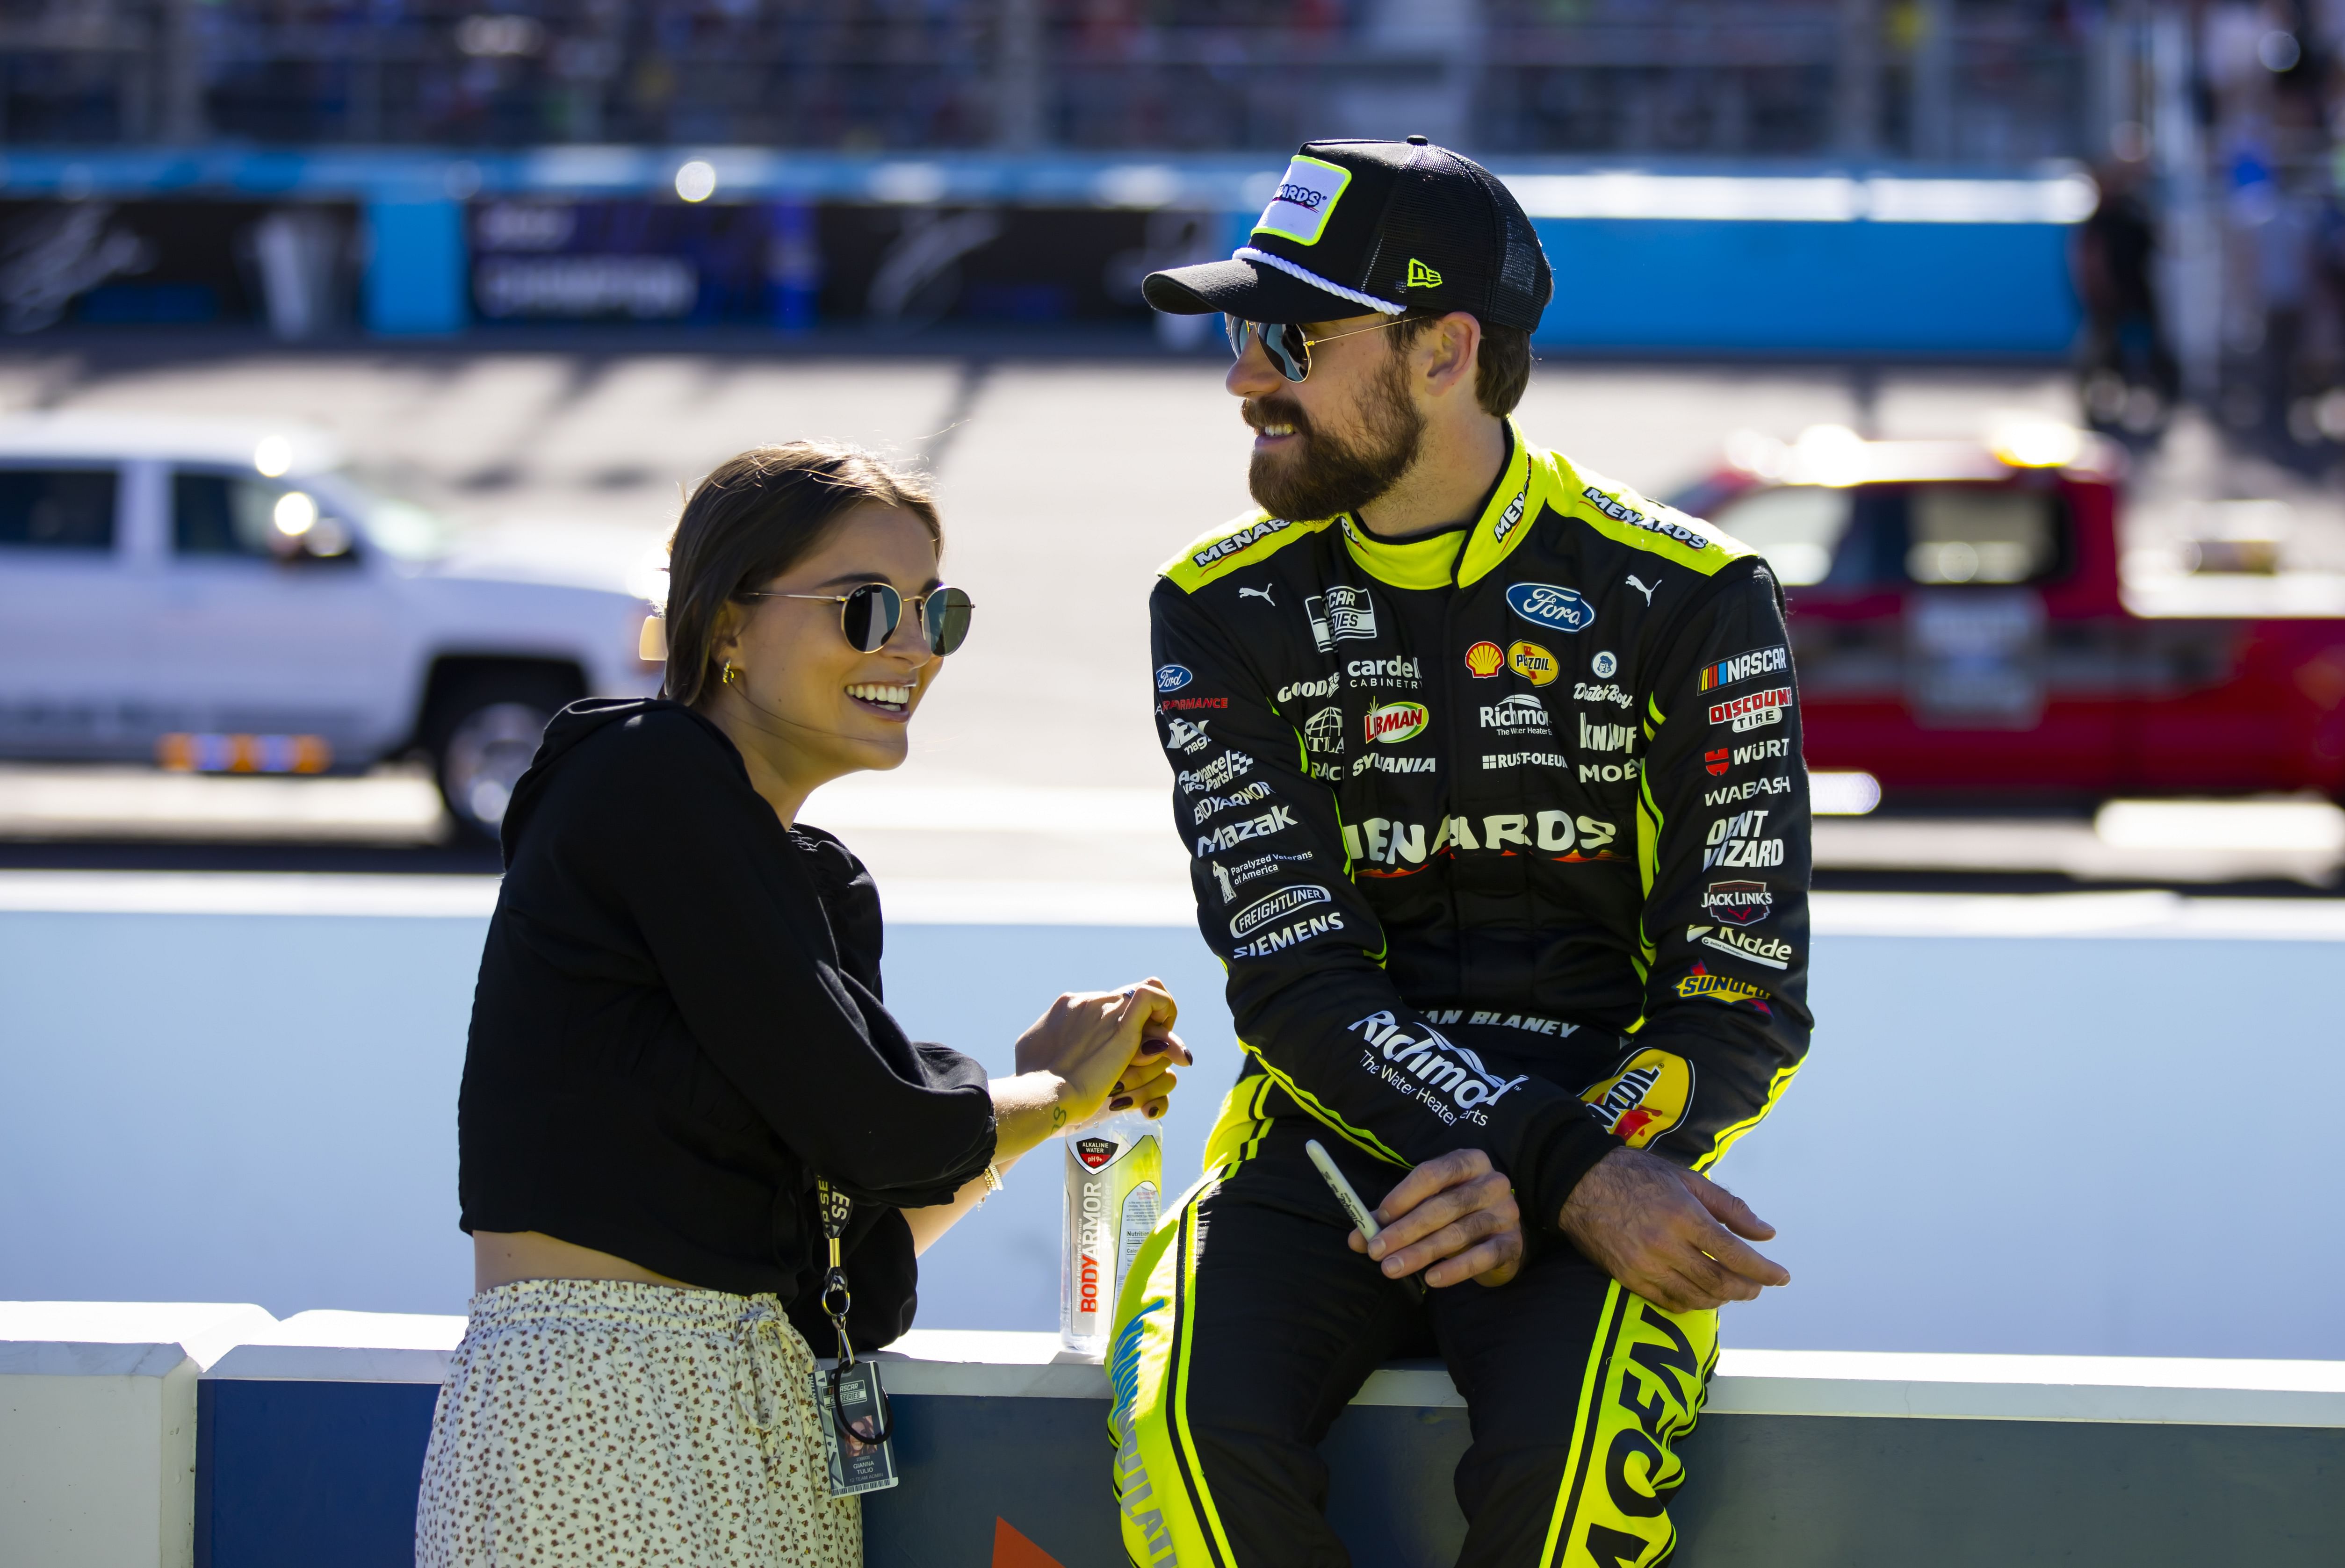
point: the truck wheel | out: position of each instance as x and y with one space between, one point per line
481 738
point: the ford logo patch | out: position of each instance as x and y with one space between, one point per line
1544 604
1172 677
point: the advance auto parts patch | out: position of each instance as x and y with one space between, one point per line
1647 1097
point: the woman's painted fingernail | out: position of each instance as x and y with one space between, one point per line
1150 1047
1119 1088
1155 1110
1121 1102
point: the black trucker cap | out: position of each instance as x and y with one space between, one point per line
1374 225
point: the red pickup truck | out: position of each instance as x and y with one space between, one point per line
1967 625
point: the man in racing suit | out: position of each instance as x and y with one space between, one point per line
1491 770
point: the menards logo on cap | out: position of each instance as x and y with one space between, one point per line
1393 723
1306 199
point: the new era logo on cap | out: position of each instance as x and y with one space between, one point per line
1305 200
1420 275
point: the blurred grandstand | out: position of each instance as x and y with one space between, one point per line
1981 81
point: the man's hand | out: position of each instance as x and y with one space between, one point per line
1668 1234
1454 1213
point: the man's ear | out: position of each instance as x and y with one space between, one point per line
1447 354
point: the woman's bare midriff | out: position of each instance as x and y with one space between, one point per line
501 1257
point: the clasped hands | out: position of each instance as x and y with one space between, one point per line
1670 1236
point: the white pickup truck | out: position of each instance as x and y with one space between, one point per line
222 597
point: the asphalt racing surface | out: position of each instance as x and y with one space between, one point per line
1064 483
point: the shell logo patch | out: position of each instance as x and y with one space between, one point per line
1486 659
1647 1097
1533 663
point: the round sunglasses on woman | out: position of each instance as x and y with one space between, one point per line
870 615
1285 342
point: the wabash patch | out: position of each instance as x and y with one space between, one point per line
1647 1097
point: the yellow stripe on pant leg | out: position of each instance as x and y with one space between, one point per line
1239 1126
1645 1386
1169 1521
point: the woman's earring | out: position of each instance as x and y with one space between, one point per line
728 675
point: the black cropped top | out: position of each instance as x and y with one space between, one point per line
678 1027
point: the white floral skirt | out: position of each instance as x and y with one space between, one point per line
600 1421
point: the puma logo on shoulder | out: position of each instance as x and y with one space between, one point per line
1262 593
1638 584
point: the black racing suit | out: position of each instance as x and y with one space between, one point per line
1503 836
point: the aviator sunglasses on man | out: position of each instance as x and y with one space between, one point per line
869 614
1285 341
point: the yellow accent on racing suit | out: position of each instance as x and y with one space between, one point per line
1502 835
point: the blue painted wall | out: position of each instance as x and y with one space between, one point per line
416 268
2060 1146
1865 288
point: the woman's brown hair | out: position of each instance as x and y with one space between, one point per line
754 518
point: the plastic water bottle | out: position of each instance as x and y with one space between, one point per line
1115 1186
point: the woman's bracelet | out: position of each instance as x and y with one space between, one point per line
992 1180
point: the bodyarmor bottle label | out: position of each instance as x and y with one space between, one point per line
1115 1183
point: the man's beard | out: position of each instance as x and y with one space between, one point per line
1323 474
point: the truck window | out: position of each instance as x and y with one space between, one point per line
58 509
1982 534
1797 527
231 515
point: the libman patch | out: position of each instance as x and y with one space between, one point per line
1647 1097
1306 199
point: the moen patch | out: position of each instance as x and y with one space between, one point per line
1645 1098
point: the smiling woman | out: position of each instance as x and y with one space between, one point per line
688 1120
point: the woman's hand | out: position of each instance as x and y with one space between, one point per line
1094 1053
1110 1049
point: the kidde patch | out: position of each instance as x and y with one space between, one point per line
1533 663
1094 1152
1393 723
1484 659
1647 1097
